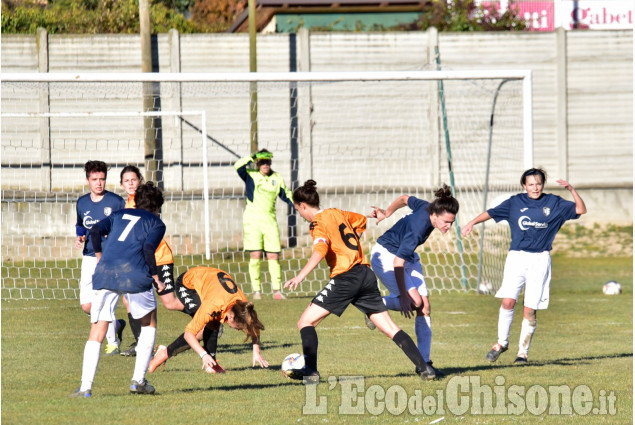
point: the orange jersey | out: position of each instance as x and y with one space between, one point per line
218 293
163 254
336 236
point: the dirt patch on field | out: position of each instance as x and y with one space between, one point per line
597 241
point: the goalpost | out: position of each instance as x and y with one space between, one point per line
365 137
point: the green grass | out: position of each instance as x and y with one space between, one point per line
583 339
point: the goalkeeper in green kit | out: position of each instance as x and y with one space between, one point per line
260 228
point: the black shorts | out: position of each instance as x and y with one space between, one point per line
166 275
188 297
358 286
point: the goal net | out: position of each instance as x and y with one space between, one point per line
366 138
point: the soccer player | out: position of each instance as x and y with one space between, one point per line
397 265
211 297
91 208
126 266
130 179
260 228
336 238
534 219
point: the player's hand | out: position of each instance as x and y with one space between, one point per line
564 184
257 358
79 241
377 213
208 363
293 283
406 306
466 230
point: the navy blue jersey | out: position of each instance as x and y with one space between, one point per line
409 232
123 266
90 213
534 222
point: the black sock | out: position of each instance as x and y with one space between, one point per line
210 339
409 347
310 346
178 346
135 327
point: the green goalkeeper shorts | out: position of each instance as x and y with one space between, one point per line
261 234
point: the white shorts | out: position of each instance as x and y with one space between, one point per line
86 292
382 262
531 269
105 304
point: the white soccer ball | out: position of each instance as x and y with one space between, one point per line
612 288
292 361
485 288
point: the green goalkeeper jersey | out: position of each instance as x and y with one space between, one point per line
261 191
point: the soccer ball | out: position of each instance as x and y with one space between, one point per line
292 361
612 288
485 288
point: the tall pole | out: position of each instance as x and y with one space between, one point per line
253 86
148 98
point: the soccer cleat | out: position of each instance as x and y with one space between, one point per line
308 376
160 357
495 352
257 295
428 374
121 326
141 387
81 394
277 295
131 351
111 350
437 372
369 323
521 358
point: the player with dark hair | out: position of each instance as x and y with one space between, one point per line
335 236
397 265
534 219
130 179
211 297
260 228
91 208
126 266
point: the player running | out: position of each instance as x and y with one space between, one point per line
397 265
126 266
130 179
260 228
534 219
91 208
211 297
335 236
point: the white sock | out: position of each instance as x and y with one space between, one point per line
505 318
392 303
89 367
526 333
144 352
424 336
111 333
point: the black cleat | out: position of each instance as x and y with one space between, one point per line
495 352
521 358
131 351
428 374
308 376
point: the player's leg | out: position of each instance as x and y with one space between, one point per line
143 306
253 243
536 298
135 328
272 247
103 311
86 292
513 282
369 301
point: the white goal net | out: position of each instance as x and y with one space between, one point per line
366 138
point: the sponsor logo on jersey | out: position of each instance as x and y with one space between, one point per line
523 209
546 211
107 211
313 225
525 223
89 222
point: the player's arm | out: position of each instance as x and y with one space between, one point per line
285 194
80 230
257 356
467 229
149 249
381 214
199 321
241 166
400 276
580 207
314 260
101 228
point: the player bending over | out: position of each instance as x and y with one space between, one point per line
211 297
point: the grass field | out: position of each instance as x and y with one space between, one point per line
583 345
